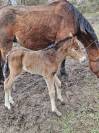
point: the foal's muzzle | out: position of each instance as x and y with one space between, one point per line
83 59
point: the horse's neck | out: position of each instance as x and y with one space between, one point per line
90 45
92 49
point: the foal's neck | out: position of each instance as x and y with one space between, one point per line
61 52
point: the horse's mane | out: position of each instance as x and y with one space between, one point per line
83 26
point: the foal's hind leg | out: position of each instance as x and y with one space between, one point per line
8 85
7 88
58 88
51 89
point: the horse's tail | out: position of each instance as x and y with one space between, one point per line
6 69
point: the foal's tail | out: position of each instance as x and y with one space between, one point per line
6 69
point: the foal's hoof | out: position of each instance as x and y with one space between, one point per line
8 106
61 100
59 114
11 101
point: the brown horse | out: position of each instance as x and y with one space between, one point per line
36 27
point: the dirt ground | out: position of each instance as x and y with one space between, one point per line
32 111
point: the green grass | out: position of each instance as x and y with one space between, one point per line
93 17
83 121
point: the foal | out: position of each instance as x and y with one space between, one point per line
43 62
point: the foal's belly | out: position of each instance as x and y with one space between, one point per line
34 70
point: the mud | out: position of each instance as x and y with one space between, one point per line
32 111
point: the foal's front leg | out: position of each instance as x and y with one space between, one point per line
51 89
10 97
58 88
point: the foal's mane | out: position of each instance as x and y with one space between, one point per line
55 46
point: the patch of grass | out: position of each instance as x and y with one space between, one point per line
87 6
95 131
67 128
86 120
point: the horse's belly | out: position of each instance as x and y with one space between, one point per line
35 45
33 42
37 34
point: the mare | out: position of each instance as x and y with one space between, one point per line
43 62
36 27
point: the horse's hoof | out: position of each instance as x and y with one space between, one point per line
59 114
11 100
1 82
62 102
63 75
8 106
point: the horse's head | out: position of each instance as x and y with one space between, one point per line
93 54
75 51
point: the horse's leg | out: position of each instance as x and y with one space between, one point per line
10 97
3 52
62 68
58 88
7 89
1 74
8 86
51 89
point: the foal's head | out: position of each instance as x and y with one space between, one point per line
74 50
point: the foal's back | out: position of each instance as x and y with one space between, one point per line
36 62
